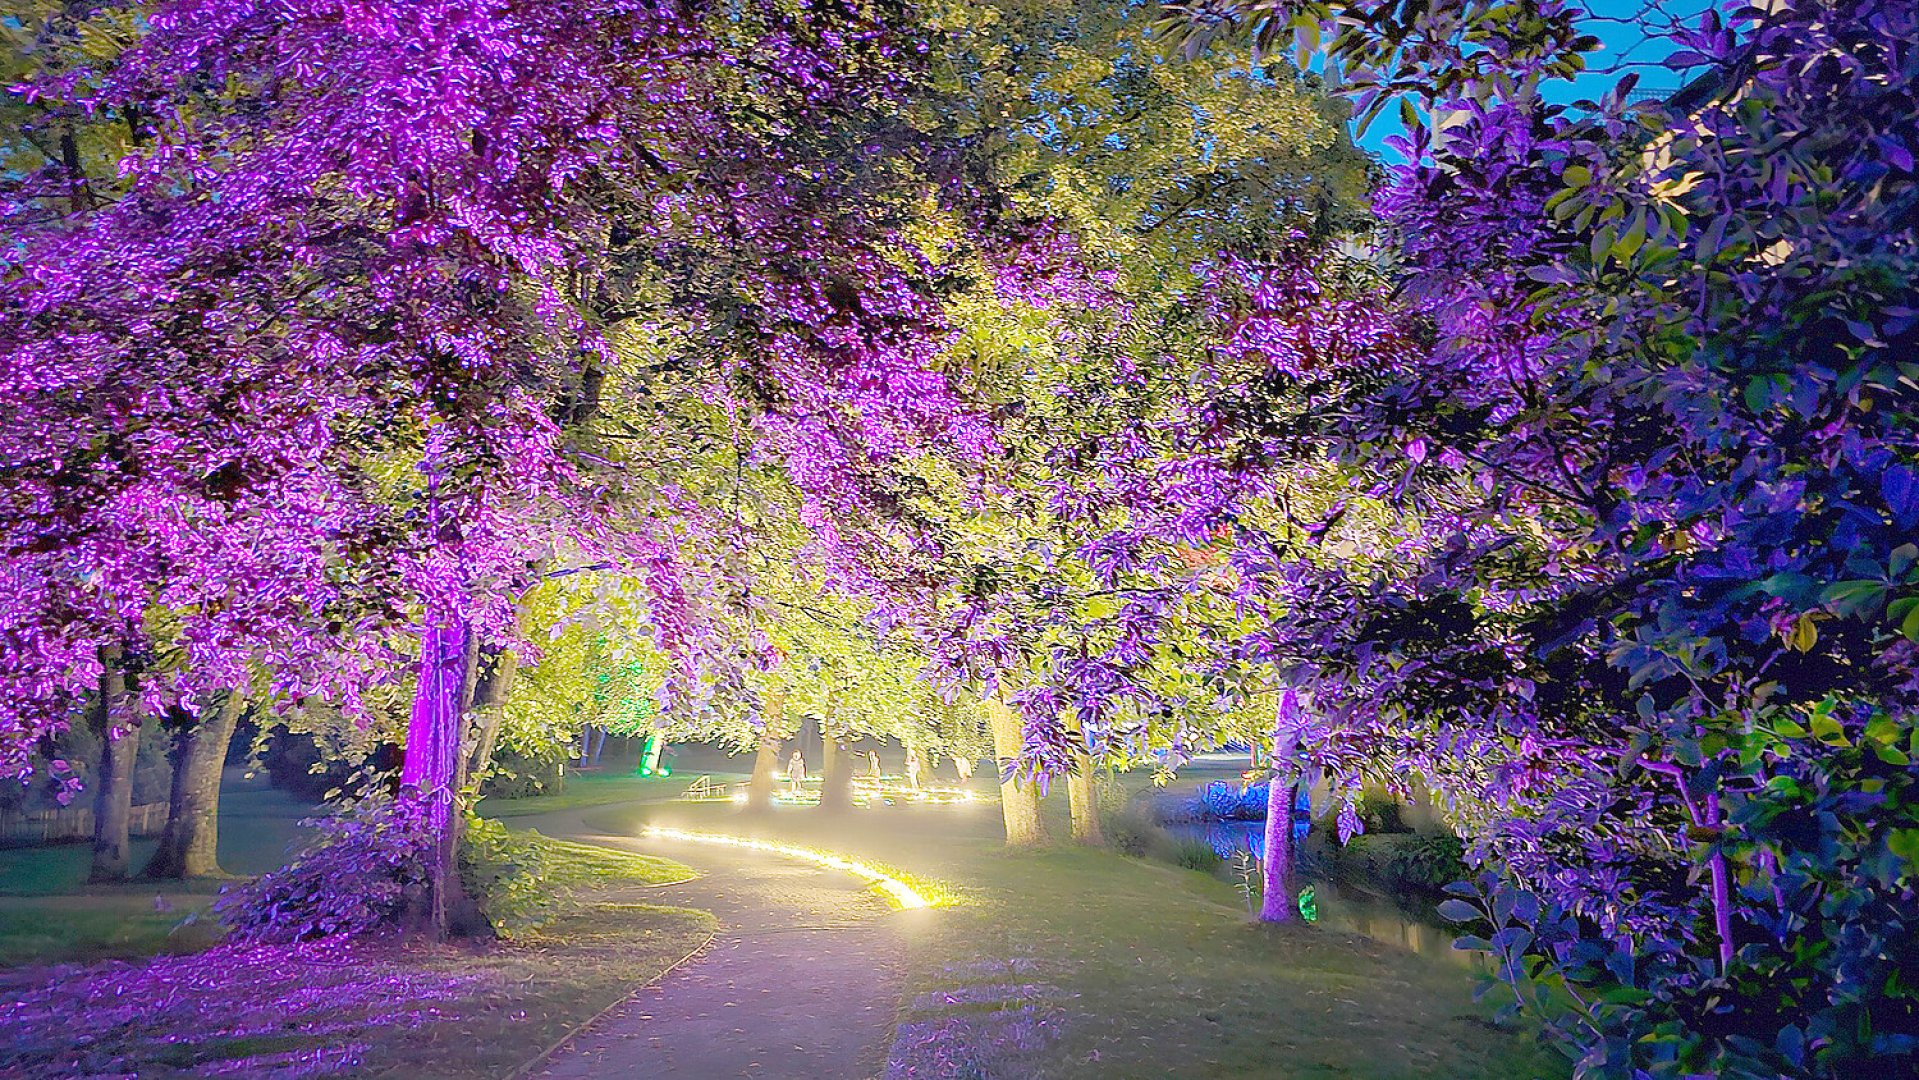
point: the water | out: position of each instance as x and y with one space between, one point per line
1412 926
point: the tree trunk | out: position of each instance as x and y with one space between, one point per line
190 844
1083 800
113 783
836 771
1018 802
430 770
495 686
766 760
1276 901
1276 895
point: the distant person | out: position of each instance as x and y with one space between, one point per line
964 767
796 771
913 769
873 763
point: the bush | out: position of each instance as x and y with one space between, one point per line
1132 833
363 871
1220 800
516 776
1195 854
1428 862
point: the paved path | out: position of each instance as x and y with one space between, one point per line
802 981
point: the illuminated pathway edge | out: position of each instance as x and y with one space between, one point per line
803 979
902 894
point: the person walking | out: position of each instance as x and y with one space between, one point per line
796 771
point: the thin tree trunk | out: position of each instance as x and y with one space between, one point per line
1018 802
190 844
836 770
1082 798
1276 900
113 783
495 687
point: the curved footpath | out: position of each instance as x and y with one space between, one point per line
802 980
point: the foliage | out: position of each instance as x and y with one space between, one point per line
1131 831
1191 853
1219 800
1652 417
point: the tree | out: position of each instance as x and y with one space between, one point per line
189 842
405 273
1659 418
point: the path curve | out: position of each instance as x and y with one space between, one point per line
802 980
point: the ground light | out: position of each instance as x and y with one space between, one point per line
902 894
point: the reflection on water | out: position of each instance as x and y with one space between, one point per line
1414 927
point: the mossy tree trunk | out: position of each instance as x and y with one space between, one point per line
1083 800
1018 801
499 668
190 843
113 781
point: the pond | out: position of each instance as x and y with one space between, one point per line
1412 924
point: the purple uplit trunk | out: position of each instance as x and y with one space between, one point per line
1721 891
1276 893
1276 901
431 768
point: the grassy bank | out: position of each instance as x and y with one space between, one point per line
1071 963
588 789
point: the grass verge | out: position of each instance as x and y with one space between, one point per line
382 1007
597 790
1070 962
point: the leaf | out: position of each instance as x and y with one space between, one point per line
1629 244
1827 730
1576 176
1899 485
1459 911
1805 633
1905 844
1853 597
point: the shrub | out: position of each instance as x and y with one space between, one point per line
1132 833
361 873
1194 854
1429 862
1220 800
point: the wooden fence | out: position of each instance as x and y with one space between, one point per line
70 823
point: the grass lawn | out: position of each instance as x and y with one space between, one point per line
379 1007
1082 963
590 789
48 914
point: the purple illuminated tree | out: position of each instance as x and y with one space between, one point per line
319 375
